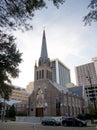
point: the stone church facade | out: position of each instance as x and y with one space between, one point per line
48 98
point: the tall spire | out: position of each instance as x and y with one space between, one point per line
44 54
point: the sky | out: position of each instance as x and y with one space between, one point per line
66 36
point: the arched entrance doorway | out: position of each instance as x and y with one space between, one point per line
39 112
39 103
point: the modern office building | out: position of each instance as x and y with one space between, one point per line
61 73
86 76
19 94
84 72
91 92
30 87
95 63
19 98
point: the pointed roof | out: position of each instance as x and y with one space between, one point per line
44 54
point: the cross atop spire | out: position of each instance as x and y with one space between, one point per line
44 54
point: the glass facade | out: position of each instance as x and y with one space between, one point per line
61 74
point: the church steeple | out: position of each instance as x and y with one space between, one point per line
44 70
44 54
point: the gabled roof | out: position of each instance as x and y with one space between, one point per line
59 87
78 90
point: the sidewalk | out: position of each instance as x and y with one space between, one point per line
25 123
91 124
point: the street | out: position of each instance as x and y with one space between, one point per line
30 126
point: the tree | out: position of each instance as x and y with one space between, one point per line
15 13
12 112
10 58
91 109
92 15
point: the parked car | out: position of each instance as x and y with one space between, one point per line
58 119
50 121
72 121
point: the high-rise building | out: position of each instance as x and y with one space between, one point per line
95 63
83 72
61 73
86 76
30 87
19 94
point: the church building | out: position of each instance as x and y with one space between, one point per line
48 98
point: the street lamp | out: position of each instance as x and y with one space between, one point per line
93 95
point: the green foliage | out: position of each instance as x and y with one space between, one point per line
15 13
23 113
12 112
91 109
12 119
10 58
92 15
87 116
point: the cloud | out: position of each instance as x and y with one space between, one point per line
67 39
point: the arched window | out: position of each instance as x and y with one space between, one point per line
42 74
37 75
40 98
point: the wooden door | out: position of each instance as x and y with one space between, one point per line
39 112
